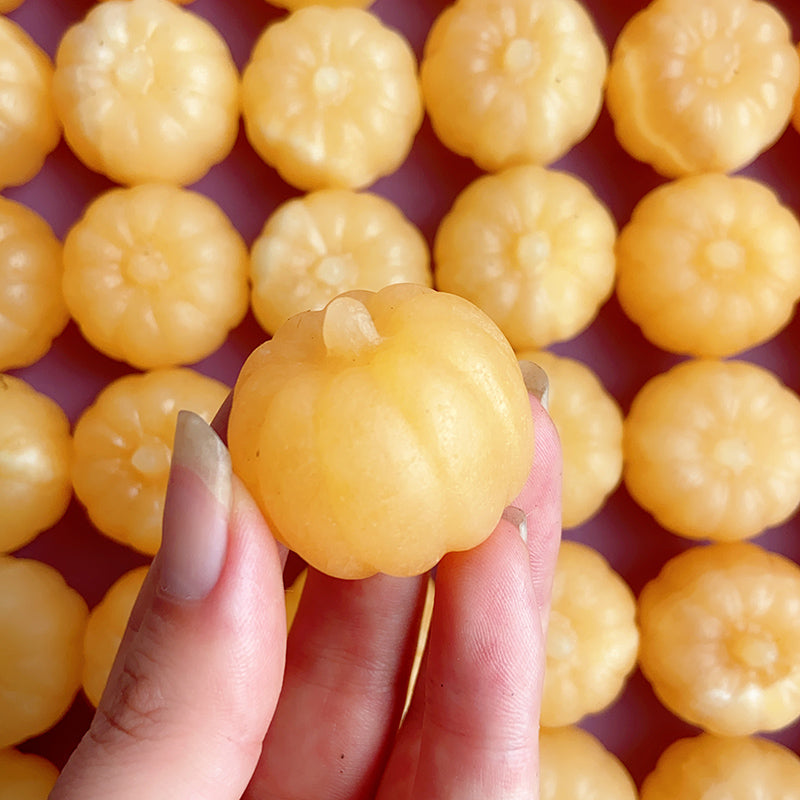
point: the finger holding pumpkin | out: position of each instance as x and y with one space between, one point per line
348 661
486 640
350 653
481 685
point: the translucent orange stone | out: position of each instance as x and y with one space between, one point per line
29 127
736 768
315 247
155 275
25 776
35 454
123 449
796 109
508 82
702 85
104 630
9 5
147 91
592 638
712 449
32 307
533 248
589 424
331 98
721 638
42 622
574 765
709 265
383 431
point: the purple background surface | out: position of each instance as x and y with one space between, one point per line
636 727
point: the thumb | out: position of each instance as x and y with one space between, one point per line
198 674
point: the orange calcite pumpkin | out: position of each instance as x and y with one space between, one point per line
25 776
735 767
42 624
383 431
104 631
29 128
707 86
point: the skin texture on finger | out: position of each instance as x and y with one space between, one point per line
195 683
397 782
348 662
540 499
472 730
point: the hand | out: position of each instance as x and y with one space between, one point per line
208 701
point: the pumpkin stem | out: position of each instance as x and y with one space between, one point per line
348 329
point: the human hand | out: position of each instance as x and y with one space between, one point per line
207 700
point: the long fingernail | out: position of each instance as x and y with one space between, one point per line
196 511
537 382
516 516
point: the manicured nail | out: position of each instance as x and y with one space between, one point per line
196 511
516 516
537 382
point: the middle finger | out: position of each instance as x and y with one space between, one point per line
347 668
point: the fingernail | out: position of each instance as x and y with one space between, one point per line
537 382
516 516
196 511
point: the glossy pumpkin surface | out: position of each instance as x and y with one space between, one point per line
42 622
25 776
146 91
29 129
331 98
383 431
712 449
35 447
32 307
105 629
573 765
736 768
720 638
122 449
702 86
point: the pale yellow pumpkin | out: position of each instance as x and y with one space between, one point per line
383 431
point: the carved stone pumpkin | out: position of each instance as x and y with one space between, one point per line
383 431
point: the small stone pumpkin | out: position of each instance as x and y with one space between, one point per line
383 431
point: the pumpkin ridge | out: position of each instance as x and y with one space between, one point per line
368 373
432 362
